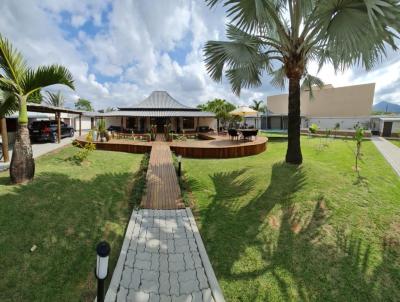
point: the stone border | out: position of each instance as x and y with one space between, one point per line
212 279
111 295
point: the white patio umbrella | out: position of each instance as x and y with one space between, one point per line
243 111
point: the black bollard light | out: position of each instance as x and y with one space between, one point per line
103 251
179 165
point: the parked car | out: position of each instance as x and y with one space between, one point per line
42 131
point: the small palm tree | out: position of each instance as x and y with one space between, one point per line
257 105
220 107
282 37
54 99
18 83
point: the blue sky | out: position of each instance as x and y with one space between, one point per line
121 50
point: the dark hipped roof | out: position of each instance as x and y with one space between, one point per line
159 100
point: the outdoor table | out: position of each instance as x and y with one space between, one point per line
246 132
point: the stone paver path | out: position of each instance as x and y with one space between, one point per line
389 151
163 259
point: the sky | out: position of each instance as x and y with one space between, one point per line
119 51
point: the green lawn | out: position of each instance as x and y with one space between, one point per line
275 232
395 142
65 211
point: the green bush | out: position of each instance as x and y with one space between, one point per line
313 128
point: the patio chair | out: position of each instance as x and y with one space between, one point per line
233 133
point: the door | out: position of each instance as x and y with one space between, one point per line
387 129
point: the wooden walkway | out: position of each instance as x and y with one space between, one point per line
163 191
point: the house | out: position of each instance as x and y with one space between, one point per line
386 125
331 107
159 109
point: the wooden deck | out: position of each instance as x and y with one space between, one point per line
163 191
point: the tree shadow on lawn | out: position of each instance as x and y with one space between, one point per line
65 217
296 255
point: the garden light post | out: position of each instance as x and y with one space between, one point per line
179 165
103 252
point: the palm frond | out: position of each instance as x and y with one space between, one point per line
278 77
356 32
12 63
311 81
45 76
8 103
54 99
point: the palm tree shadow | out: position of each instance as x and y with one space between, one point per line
295 244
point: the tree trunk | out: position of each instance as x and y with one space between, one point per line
4 138
22 167
293 153
217 125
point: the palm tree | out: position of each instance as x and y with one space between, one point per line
55 99
18 83
282 37
220 107
257 105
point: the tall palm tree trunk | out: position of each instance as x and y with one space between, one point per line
22 167
293 153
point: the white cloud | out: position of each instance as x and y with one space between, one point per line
134 47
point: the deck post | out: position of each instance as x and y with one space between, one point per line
4 137
58 119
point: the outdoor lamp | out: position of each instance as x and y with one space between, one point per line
179 165
103 252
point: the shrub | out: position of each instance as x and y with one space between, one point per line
313 128
83 153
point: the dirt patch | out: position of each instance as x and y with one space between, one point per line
273 222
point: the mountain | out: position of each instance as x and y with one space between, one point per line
386 107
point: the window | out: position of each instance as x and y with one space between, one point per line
188 123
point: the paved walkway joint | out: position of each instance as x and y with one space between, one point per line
163 259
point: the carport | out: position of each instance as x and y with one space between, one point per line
41 108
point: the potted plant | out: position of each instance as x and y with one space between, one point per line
101 128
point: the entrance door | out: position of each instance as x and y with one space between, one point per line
160 122
387 129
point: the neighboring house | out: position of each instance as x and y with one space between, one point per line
386 125
344 106
159 109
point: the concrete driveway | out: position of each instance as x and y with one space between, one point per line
39 149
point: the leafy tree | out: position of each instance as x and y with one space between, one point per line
220 107
281 37
19 83
83 104
55 99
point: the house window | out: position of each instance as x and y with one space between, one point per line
188 123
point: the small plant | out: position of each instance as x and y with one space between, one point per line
358 137
336 128
101 127
83 153
313 128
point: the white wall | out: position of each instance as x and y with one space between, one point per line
330 122
396 127
86 125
